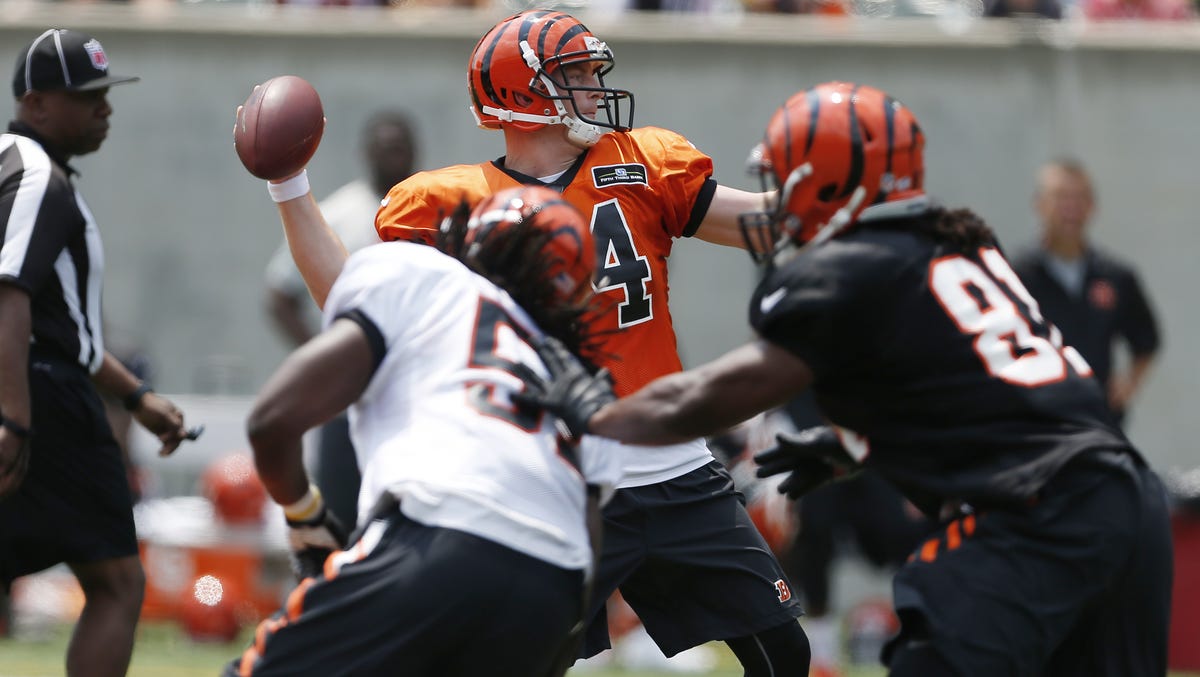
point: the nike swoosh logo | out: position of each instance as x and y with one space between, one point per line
771 300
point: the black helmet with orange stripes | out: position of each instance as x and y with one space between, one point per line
831 151
517 78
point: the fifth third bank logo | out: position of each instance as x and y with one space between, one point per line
615 175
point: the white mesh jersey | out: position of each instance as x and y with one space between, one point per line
435 426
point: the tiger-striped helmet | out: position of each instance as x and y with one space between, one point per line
516 77
832 151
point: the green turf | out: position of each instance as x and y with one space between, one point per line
163 651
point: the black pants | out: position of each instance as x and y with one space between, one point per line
688 559
74 504
419 601
1076 584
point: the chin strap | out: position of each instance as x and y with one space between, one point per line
505 115
578 132
581 133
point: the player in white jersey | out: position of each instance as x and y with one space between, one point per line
473 554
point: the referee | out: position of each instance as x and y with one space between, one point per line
64 496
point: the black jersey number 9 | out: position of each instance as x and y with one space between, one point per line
619 265
490 321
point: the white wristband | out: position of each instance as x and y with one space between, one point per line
295 187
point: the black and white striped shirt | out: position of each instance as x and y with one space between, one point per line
50 247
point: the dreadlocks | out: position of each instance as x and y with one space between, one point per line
516 262
962 228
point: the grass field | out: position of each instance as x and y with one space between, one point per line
163 651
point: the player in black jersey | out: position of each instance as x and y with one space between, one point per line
936 368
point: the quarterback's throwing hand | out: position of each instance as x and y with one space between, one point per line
813 457
573 394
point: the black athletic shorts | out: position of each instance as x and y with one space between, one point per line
420 601
1076 584
688 559
74 505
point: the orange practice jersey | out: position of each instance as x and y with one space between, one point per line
639 189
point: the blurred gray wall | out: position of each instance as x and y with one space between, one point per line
188 231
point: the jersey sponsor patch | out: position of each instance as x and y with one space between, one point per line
607 176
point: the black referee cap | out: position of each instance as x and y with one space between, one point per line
63 59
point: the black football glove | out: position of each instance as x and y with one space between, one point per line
813 457
572 394
313 540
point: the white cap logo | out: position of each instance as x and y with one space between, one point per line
96 54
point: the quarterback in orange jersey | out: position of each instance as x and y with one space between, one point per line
638 188
677 540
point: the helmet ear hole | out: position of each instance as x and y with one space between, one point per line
522 99
826 192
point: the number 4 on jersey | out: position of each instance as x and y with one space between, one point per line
619 265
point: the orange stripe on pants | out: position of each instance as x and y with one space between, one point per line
953 537
929 550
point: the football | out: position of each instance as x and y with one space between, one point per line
279 127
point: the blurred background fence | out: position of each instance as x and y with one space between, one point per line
188 231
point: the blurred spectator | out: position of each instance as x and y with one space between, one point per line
1147 10
822 7
334 3
1095 299
1044 9
683 6
389 149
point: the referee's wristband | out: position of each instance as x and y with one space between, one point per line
15 428
134 399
